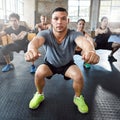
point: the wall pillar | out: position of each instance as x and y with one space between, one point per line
94 17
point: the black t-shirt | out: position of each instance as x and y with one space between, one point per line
21 28
17 31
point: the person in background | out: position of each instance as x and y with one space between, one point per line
59 43
80 28
18 34
102 35
43 25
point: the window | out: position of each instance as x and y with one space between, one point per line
21 9
9 6
1 9
110 8
78 9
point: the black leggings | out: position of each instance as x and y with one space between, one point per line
16 46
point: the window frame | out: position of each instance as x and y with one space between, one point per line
10 6
111 9
76 10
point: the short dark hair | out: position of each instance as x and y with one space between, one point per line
61 9
14 15
81 20
104 17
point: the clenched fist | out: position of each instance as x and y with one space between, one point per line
31 55
90 57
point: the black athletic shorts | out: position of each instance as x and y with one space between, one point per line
107 46
77 52
59 70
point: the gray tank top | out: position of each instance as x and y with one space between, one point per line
59 54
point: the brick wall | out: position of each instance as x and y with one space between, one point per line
45 7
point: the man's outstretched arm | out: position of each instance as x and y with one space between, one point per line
32 53
88 51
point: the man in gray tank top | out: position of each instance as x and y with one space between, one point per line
59 43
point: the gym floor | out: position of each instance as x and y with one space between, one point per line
101 92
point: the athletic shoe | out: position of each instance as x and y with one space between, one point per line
7 68
112 59
32 69
80 103
36 100
87 65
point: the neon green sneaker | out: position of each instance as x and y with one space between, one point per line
87 65
80 103
36 100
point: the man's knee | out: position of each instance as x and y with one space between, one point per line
39 73
78 77
43 71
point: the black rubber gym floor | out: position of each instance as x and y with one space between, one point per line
101 92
